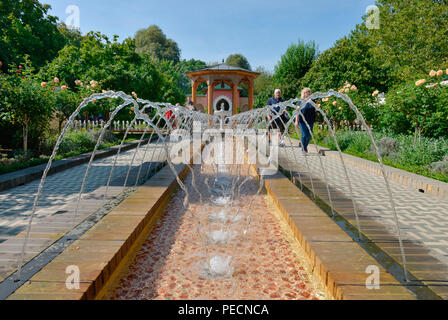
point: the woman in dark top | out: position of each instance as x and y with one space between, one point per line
309 115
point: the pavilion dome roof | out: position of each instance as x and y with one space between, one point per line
223 67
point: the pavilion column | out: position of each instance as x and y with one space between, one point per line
251 94
236 96
210 97
194 89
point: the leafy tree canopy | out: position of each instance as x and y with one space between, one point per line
72 35
293 65
154 42
116 66
238 60
27 29
411 40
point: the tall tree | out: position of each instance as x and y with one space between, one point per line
238 60
116 66
24 101
410 41
350 59
412 38
263 81
27 29
293 65
186 66
154 42
72 35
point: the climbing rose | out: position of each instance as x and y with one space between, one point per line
56 80
440 73
420 82
335 103
64 87
93 83
325 99
340 108
78 82
134 95
375 93
353 88
346 90
432 73
43 84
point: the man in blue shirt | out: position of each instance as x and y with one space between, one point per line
278 122
308 116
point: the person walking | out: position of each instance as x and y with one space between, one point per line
306 119
279 121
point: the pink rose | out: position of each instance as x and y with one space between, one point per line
353 88
56 80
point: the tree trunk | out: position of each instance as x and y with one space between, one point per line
415 135
25 137
60 125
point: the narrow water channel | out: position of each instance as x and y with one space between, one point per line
268 263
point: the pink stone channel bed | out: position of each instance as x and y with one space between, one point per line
268 262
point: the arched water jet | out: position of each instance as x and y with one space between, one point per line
84 103
185 119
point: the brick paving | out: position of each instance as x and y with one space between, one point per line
423 217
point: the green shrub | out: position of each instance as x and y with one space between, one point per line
354 141
359 143
422 153
440 166
387 147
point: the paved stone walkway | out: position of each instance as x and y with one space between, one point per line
423 217
57 204
59 189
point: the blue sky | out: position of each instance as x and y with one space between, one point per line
211 30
